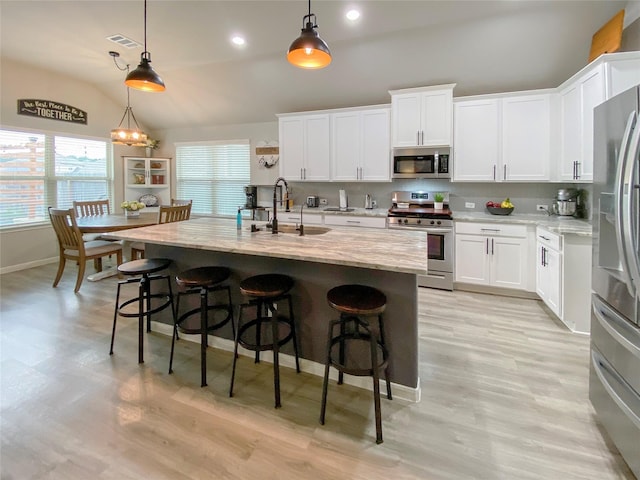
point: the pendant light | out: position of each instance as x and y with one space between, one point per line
309 50
127 136
144 77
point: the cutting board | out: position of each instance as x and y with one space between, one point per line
608 38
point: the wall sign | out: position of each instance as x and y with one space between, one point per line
51 110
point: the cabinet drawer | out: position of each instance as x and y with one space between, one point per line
312 219
491 229
549 239
353 221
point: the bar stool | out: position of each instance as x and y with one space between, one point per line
265 292
204 281
146 268
354 302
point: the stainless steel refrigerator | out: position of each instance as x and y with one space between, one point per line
614 380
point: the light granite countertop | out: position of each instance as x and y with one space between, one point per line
556 224
375 248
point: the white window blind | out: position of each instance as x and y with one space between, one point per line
213 175
38 170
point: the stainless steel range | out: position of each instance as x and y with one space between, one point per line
416 210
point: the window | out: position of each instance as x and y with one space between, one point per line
213 175
38 170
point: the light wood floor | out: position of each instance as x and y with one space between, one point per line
504 396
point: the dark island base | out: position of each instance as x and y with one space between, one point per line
311 310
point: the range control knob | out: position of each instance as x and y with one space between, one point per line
406 221
439 222
418 221
432 222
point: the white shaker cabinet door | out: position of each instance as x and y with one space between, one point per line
317 156
526 138
476 148
472 259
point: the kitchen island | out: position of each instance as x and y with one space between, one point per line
389 260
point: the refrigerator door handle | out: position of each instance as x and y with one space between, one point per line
628 209
602 369
616 326
619 201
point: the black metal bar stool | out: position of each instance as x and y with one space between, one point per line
265 292
204 281
354 302
145 268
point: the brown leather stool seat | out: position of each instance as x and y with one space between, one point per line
266 292
142 272
361 349
205 281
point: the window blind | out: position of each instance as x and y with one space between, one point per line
38 170
213 175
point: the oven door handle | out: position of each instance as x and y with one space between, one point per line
438 230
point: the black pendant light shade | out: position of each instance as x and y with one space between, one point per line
309 50
144 77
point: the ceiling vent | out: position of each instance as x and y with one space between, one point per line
124 41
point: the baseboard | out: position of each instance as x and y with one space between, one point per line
25 266
507 292
401 392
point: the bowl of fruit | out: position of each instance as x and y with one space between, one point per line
500 208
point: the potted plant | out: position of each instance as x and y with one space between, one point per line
438 201
151 145
132 208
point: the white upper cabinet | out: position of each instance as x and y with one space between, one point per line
360 145
305 147
422 116
602 79
502 138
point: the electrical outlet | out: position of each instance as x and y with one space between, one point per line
324 201
469 205
542 208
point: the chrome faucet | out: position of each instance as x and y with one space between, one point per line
274 221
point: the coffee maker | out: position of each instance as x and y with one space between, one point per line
251 193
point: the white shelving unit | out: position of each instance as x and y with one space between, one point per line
146 178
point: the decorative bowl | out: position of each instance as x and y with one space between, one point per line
500 210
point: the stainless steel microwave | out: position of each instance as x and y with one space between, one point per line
422 163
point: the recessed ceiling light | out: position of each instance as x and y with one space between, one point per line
353 15
238 40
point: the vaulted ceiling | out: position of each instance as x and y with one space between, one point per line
483 46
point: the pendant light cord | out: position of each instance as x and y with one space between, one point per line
145 23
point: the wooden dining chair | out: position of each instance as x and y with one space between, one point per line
166 214
73 247
91 207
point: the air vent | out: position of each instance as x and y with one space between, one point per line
123 41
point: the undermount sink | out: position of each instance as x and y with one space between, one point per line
338 209
308 230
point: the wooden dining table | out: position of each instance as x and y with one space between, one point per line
114 222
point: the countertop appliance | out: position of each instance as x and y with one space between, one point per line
614 380
313 201
251 194
566 202
416 210
368 202
422 163
344 202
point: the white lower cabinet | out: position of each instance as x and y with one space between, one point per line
493 255
563 277
549 269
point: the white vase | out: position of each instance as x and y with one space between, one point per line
131 213
148 151
438 205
